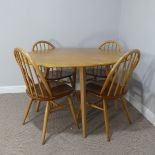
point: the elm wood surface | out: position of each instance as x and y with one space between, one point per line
38 89
54 73
115 85
76 57
102 71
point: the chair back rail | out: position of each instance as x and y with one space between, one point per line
42 45
111 45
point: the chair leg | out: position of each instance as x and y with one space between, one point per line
45 122
75 93
38 106
78 114
126 109
72 110
105 112
71 81
74 79
27 110
116 105
73 84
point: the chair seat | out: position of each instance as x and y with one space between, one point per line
58 90
95 88
59 74
98 72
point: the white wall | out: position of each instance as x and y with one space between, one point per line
137 30
68 23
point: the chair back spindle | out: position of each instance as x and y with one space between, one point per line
117 80
36 84
107 46
42 46
111 45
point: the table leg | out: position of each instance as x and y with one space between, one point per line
83 100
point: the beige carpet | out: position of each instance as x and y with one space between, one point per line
63 138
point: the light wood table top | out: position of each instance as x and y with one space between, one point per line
75 57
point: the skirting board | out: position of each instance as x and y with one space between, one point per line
149 115
20 89
12 89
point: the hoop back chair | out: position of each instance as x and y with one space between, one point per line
43 46
102 71
52 73
38 89
57 73
115 85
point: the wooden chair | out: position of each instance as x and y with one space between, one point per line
102 71
57 73
38 89
115 86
